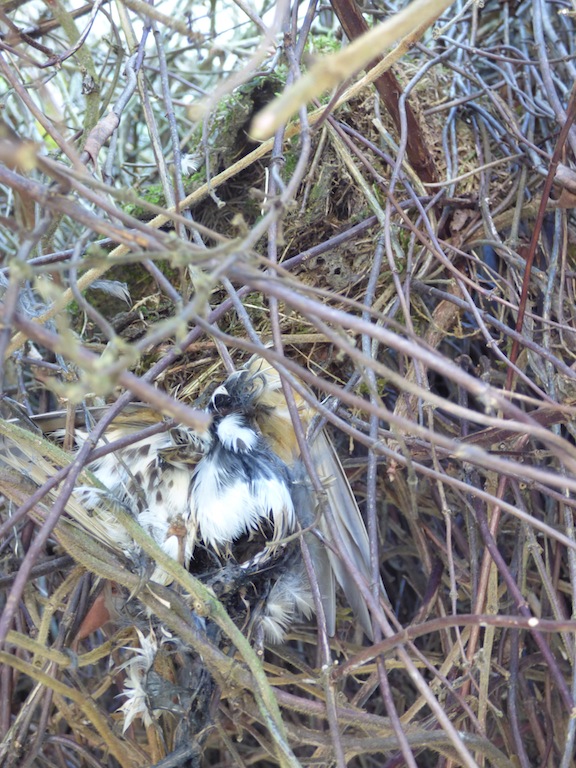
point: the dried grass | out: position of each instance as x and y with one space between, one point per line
397 301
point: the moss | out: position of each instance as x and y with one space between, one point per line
154 194
228 138
322 44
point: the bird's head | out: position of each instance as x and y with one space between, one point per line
238 394
232 406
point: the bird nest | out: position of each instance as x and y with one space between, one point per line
412 280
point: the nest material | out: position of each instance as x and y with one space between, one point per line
458 443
